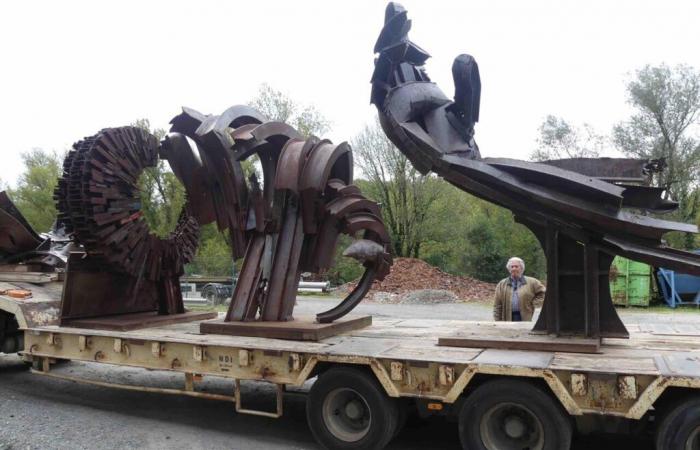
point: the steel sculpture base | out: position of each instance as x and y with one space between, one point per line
302 329
577 301
92 292
136 321
525 341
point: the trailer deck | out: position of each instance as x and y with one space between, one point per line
624 378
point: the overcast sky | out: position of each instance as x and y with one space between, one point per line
69 68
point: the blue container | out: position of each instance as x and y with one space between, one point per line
678 288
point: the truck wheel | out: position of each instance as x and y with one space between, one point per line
513 414
680 426
209 293
348 409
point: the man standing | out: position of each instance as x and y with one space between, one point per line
516 295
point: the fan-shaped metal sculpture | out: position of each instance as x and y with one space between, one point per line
580 221
99 200
124 268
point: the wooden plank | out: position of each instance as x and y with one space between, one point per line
430 353
515 358
29 277
605 364
20 268
369 347
134 321
662 328
299 329
416 323
680 364
423 333
535 343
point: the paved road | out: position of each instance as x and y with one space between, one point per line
41 413
476 311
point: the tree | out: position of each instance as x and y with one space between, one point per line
277 106
34 193
405 195
559 139
474 237
213 254
666 102
162 194
665 125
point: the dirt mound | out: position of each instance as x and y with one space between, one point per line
409 274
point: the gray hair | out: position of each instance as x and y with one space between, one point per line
516 259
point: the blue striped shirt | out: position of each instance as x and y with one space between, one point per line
514 299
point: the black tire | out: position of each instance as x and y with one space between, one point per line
348 409
402 416
679 427
210 295
512 414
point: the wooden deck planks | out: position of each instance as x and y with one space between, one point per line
521 341
135 321
604 364
401 340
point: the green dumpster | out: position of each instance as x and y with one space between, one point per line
630 282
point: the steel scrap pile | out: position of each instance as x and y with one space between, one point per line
409 275
581 222
287 224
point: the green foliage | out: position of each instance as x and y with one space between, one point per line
162 194
405 196
559 139
475 238
213 255
278 106
664 124
162 198
484 255
34 193
464 235
344 269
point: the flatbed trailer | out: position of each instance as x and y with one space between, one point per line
367 378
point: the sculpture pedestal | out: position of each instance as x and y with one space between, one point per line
135 321
524 342
302 329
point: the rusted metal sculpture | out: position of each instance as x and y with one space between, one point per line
288 225
581 222
124 269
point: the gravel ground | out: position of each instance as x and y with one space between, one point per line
42 413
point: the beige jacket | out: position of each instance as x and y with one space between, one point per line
529 293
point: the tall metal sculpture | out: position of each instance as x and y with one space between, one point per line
290 224
580 221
